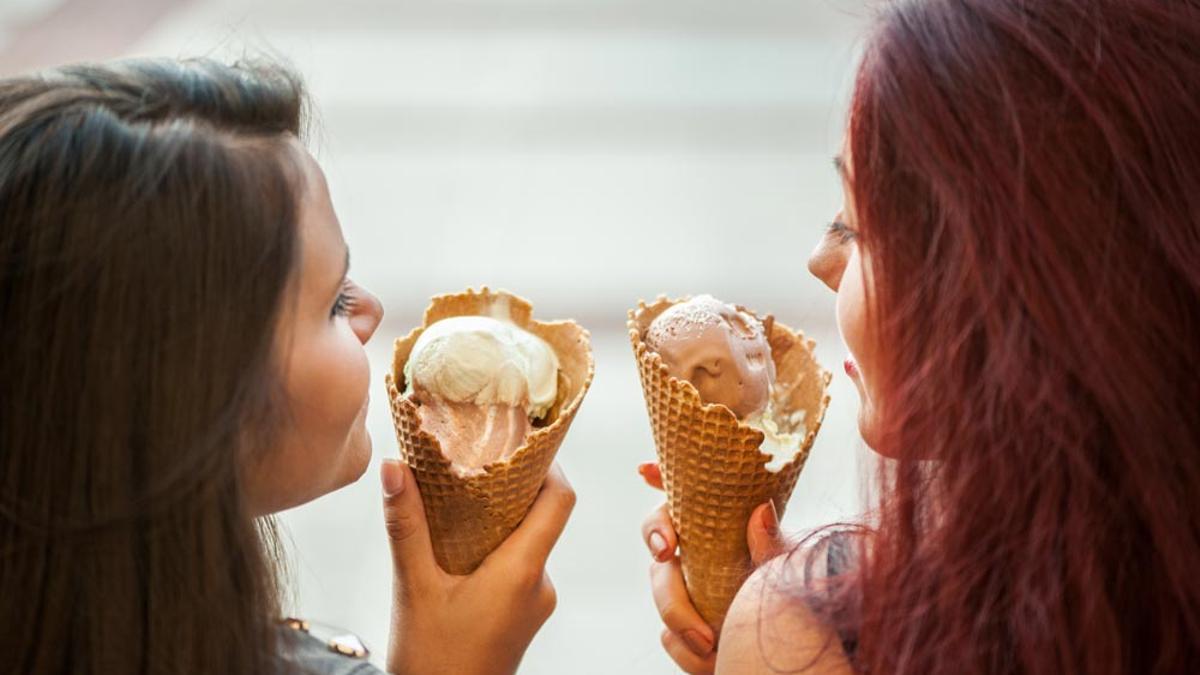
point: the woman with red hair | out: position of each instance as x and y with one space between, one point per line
1018 276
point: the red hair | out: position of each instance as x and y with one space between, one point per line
1026 176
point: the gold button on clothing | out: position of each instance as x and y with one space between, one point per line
348 645
323 650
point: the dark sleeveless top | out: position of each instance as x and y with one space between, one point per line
840 560
301 652
828 568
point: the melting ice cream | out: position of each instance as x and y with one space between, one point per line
480 382
723 350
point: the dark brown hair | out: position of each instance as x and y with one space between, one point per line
1027 183
148 215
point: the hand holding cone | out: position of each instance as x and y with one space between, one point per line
469 515
713 470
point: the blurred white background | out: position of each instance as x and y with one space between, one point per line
582 153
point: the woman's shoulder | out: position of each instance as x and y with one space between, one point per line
771 627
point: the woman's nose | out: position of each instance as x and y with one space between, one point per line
827 262
367 315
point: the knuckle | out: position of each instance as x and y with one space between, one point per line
665 639
527 578
547 599
564 497
399 527
569 498
682 656
652 571
657 519
660 574
650 522
668 610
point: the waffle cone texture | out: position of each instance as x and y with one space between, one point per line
712 469
469 516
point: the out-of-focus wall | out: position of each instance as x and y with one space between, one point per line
586 153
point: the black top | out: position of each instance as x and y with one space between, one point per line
839 560
303 653
829 585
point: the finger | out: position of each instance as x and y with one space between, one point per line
407 530
652 474
535 537
763 536
659 534
675 606
685 657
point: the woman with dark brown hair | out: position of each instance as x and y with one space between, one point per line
183 356
1018 276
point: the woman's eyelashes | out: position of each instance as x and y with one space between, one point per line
344 303
842 231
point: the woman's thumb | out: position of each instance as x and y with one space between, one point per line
763 537
404 518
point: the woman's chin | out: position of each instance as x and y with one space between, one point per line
868 429
358 457
353 461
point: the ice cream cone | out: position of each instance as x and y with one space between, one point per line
712 468
469 516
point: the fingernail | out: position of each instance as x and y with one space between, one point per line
643 468
770 519
658 545
392 475
697 642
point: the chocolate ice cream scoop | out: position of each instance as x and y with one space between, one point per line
721 349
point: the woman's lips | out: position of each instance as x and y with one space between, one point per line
851 367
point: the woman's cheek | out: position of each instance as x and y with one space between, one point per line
329 387
851 307
347 376
852 322
338 386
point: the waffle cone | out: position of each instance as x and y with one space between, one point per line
712 469
469 516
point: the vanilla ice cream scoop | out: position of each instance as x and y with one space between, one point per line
484 361
721 349
480 382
